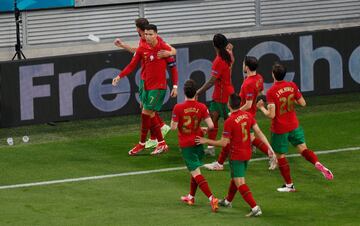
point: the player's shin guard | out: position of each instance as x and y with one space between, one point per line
223 154
247 196
203 185
193 186
155 126
145 126
310 156
285 170
232 191
213 133
260 145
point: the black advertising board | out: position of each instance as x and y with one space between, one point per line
79 86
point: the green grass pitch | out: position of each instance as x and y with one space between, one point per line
99 147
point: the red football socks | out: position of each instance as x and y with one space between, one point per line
193 186
160 121
310 156
213 133
223 154
145 126
260 145
155 127
203 185
232 191
285 170
246 194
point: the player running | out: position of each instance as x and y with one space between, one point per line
186 117
221 79
251 88
236 136
281 98
168 55
155 86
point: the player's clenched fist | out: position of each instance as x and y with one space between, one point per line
118 42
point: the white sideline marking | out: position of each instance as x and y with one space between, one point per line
149 171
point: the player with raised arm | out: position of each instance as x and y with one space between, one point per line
236 136
155 86
170 58
281 98
221 80
251 88
186 117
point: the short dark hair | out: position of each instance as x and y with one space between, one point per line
151 27
190 88
279 71
141 23
251 62
234 101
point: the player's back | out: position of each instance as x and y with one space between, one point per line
238 126
284 94
190 114
223 87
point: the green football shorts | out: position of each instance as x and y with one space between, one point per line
193 156
238 168
280 142
220 108
153 99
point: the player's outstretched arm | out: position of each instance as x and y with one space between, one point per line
128 69
263 138
206 86
247 105
119 43
218 143
167 53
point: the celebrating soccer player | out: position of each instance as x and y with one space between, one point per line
221 78
168 55
186 117
236 136
281 98
155 86
251 88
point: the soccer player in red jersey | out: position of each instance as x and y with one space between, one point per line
168 55
281 98
154 87
236 136
251 88
186 117
221 79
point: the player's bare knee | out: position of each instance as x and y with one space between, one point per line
301 147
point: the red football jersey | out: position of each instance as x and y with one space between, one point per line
154 68
250 89
171 62
223 86
237 129
283 94
189 115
